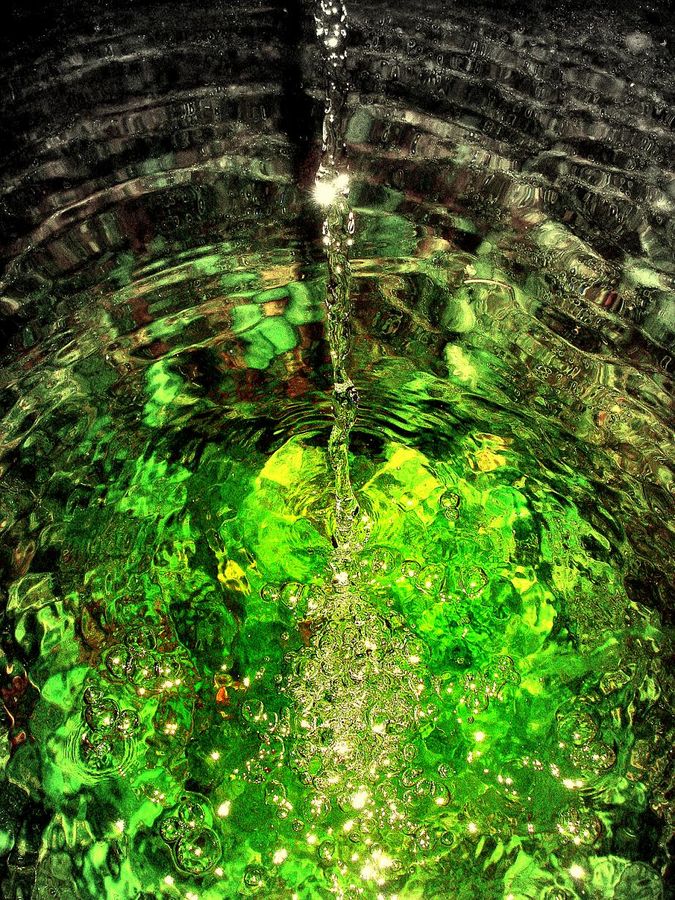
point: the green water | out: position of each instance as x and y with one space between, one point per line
471 707
216 717
263 640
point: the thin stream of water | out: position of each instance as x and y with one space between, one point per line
332 191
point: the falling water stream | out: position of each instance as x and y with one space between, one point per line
332 189
336 498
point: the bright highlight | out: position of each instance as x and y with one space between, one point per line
327 192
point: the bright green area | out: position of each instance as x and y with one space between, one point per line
448 722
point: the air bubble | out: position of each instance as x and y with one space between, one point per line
254 877
382 561
579 826
191 812
449 503
474 581
326 851
101 715
270 592
430 579
198 853
119 661
576 727
411 568
253 712
293 594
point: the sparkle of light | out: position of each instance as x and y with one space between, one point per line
327 192
359 799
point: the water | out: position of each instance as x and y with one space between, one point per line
240 659
332 191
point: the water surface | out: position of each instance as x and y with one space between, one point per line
204 696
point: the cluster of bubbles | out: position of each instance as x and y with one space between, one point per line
139 662
475 689
331 29
354 689
357 693
365 734
579 739
359 715
188 830
104 743
140 676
